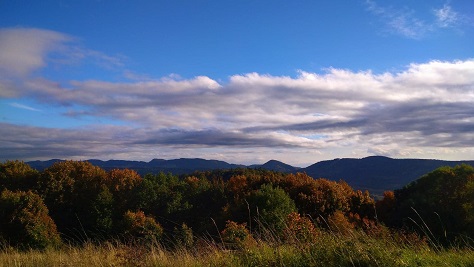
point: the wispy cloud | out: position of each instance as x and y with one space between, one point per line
399 21
446 16
22 106
406 23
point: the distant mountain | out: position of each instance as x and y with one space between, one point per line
175 166
118 164
41 165
195 164
275 165
376 174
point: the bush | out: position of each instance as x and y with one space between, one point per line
138 226
183 236
339 223
24 221
300 230
237 236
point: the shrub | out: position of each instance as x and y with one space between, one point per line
138 226
237 236
183 236
299 229
339 223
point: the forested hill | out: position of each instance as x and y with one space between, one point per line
375 173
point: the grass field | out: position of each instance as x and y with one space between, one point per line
328 249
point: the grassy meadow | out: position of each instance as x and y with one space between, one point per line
355 248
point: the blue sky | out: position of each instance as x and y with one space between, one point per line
241 81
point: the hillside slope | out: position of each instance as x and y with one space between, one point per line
376 173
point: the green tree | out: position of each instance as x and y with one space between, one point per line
206 202
271 206
164 197
102 209
183 236
440 204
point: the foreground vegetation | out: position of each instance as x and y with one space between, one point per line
74 213
329 249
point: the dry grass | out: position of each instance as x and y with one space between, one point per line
329 249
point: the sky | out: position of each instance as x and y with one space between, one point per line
236 80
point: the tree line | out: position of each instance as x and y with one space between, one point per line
75 201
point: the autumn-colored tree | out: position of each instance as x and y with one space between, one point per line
362 209
123 184
237 186
17 175
140 227
237 236
24 221
320 198
337 222
71 190
300 230
242 181
386 207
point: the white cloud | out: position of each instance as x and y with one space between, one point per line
426 107
26 50
23 50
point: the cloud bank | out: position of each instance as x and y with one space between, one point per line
426 110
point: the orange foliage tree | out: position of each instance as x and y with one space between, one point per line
123 184
70 190
17 175
24 221
140 227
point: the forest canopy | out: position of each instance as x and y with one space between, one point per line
75 201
